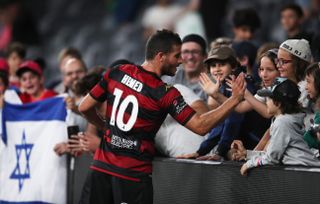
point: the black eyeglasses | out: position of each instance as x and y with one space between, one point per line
191 52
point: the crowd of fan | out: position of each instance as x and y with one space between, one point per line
270 126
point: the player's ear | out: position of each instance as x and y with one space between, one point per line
160 56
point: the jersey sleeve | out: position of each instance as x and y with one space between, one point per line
176 106
99 91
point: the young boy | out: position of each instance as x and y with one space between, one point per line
32 83
286 144
221 63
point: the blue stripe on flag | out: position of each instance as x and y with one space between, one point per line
45 110
49 109
29 202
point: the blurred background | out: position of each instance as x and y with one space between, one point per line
106 30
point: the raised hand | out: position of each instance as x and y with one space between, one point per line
238 86
208 86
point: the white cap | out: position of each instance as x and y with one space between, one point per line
299 48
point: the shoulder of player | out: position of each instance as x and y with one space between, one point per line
167 89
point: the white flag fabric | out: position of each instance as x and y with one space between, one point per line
30 171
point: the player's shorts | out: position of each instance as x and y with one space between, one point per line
104 188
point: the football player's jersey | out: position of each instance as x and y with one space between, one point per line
137 104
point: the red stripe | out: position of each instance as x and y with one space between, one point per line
142 76
184 115
115 174
97 91
124 162
144 101
148 146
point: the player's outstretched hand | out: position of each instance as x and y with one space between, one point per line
239 86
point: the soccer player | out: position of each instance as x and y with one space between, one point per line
137 104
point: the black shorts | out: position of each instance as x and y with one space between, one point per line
104 188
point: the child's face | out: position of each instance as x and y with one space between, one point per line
14 61
31 83
220 69
310 88
272 108
285 65
267 71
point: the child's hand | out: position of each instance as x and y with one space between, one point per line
238 151
244 170
208 86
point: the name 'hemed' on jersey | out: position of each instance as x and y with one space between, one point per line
132 83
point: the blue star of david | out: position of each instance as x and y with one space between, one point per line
17 172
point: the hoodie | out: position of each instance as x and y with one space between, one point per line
286 145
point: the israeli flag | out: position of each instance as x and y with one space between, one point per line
30 171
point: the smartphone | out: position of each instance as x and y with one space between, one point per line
73 130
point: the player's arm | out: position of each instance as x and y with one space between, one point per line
87 108
203 123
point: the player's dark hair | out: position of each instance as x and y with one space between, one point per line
161 41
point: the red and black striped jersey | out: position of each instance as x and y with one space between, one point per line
138 101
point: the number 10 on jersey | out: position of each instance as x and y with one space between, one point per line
117 119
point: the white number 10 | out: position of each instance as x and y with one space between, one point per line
118 120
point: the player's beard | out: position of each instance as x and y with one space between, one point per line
169 70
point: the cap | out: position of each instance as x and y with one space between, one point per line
282 89
4 67
221 41
220 53
29 65
298 47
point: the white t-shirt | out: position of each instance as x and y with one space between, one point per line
303 100
261 98
174 139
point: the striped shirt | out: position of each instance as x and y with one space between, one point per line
138 101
